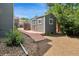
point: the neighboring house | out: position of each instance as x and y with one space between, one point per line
27 26
21 23
16 21
6 18
24 24
45 24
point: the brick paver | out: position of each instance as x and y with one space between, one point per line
35 36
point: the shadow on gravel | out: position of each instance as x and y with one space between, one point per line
43 47
56 35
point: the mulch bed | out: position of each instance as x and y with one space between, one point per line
10 51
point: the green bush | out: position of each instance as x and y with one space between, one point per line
14 38
70 28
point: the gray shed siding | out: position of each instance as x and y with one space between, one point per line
50 28
6 18
38 27
33 25
44 27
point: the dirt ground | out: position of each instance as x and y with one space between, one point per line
62 46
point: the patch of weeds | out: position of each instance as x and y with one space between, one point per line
14 38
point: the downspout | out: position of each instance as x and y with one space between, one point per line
44 24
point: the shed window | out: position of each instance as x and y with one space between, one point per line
50 21
39 21
33 22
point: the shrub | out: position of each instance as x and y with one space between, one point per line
14 38
70 28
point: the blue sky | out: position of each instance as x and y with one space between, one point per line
29 10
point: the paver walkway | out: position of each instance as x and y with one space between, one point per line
35 36
37 44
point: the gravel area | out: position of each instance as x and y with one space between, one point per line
33 48
10 51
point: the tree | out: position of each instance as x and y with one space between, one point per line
25 19
67 15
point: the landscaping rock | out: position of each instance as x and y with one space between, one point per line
10 51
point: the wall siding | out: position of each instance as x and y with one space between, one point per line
50 28
38 27
6 18
45 27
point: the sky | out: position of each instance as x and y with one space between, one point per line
29 10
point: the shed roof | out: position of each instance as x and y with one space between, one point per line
37 17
